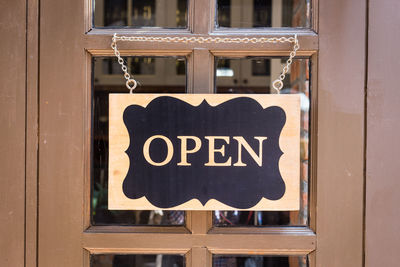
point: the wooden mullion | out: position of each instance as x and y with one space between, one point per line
200 257
101 39
216 52
202 16
203 76
201 222
261 244
217 244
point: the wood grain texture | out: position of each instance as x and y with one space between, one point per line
12 133
340 122
383 125
276 244
288 163
62 110
98 39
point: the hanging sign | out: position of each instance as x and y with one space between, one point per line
204 152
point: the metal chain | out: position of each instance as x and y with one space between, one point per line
277 84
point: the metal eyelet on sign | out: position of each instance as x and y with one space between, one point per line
277 85
131 85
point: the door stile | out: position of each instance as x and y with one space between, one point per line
62 84
340 170
13 115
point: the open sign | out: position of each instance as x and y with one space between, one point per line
204 152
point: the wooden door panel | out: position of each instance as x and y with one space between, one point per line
67 43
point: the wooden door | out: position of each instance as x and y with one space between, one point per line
332 52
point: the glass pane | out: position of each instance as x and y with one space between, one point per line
141 13
253 75
260 261
112 260
263 13
154 75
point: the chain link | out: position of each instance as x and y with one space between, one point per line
277 84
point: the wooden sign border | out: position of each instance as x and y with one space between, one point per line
289 163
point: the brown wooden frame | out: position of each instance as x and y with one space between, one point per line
13 142
382 214
67 44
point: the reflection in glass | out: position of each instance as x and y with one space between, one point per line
112 260
140 13
260 67
154 75
253 75
224 13
260 261
115 15
181 67
224 68
263 13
